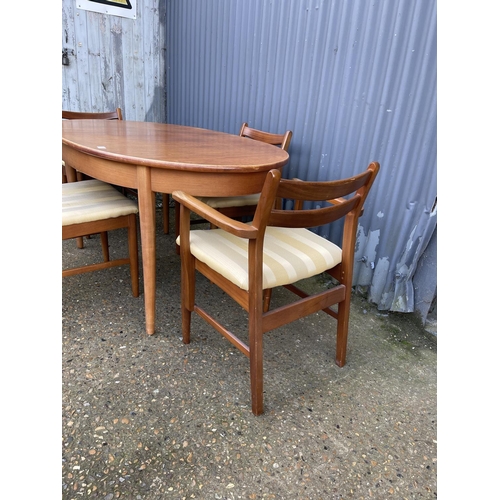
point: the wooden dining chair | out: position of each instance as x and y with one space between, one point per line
111 115
91 207
275 249
78 115
240 206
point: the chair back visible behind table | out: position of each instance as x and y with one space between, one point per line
77 115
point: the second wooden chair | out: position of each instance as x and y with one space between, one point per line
239 206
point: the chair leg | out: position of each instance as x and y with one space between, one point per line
267 299
166 213
177 224
342 330
187 294
133 253
257 374
256 352
105 246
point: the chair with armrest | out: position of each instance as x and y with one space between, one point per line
91 207
275 249
239 206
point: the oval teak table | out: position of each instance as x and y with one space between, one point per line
159 157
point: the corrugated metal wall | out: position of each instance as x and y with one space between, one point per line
115 61
356 81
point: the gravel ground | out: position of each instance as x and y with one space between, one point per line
147 417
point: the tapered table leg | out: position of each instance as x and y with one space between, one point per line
148 244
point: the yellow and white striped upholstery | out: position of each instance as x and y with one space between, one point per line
92 200
289 255
231 201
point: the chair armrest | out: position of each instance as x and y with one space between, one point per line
232 226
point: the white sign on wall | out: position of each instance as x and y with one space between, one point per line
123 8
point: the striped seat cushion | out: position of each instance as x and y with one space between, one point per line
93 200
289 255
231 201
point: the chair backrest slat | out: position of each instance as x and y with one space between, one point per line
281 140
343 196
321 190
314 217
107 115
